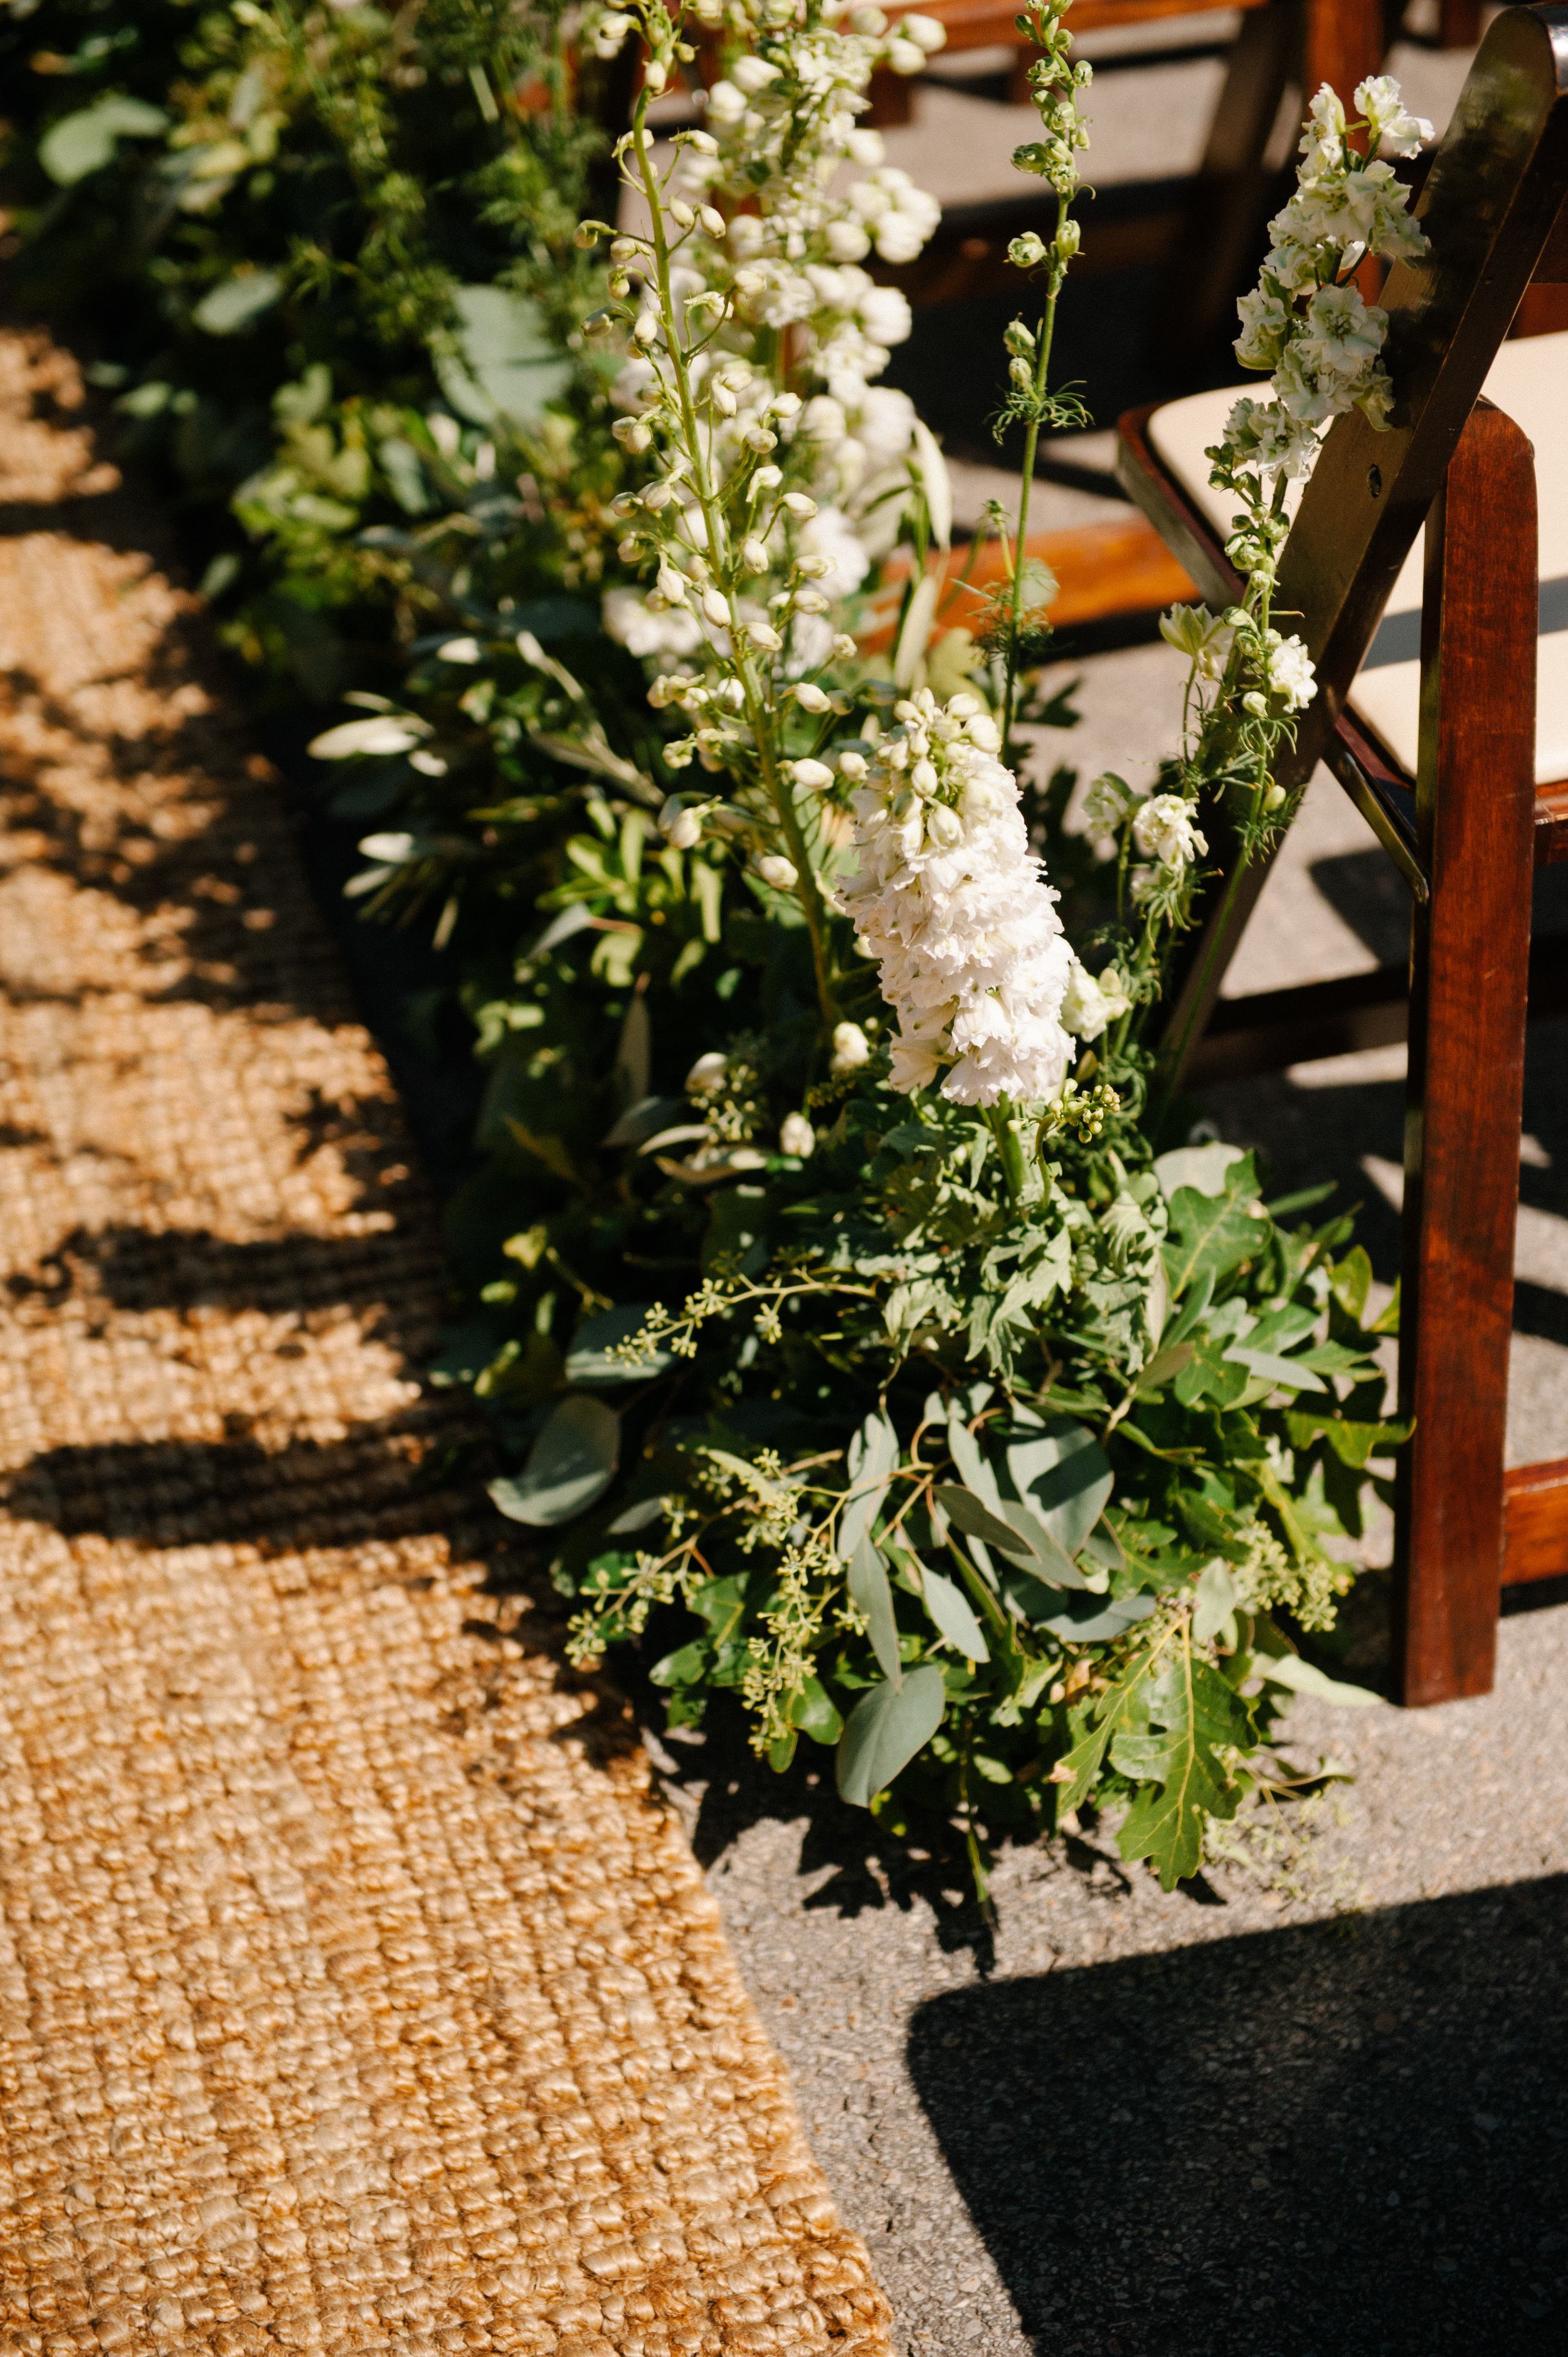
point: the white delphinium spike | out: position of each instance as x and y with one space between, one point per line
954 906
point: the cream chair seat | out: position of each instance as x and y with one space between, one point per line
1529 380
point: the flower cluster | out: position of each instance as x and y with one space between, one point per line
767 243
953 905
1305 322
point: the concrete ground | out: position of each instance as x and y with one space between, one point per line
1319 2102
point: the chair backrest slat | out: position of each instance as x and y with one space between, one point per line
1492 208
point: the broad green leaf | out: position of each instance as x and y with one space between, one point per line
722 1604
1286 1374
887 1727
1086 1619
949 1609
1066 1477
684 1668
591 1358
813 1710
1194 1714
1353 1443
569 1467
1210 1373
1305 1677
971 1460
1351 1280
1212 1235
238 302
1122 1706
1162 1367
507 364
872 1454
869 1587
84 142
1200 1167
1217 1601
962 1507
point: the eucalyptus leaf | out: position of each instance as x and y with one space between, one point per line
506 364
84 142
591 1358
872 1454
237 303
1085 1618
1067 1478
887 1727
1305 1677
968 1456
569 1467
949 1609
1286 1375
868 1587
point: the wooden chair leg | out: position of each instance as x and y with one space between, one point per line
1470 950
1344 45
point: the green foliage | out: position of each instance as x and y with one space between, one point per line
318 247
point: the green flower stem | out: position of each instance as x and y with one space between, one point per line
1031 443
774 784
1010 1146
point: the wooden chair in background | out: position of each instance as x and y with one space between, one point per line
1442 709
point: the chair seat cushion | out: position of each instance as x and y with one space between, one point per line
1529 378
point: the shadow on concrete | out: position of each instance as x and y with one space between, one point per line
1346 2138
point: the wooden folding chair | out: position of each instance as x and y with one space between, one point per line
1443 710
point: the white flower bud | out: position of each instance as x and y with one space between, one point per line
752 75
785 404
758 437
715 606
816 775
777 871
923 778
654 75
680 213
633 434
671 586
712 221
754 554
852 767
809 601
703 141
708 1074
982 731
763 635
796 1135
799 505
646 330
724 400
905 56
843 647
629 549
766 478
944 826
850 1048
811 698
680 827
657 495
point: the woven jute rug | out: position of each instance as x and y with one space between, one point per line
355 1991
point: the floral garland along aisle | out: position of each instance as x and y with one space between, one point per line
1113 1417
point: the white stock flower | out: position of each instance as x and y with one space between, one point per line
956 910
1199 635
1093 1003
1165 830
1290 671
636 625
796 1135
1392 129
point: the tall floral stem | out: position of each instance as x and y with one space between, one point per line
775 785
1003 1125
1031 447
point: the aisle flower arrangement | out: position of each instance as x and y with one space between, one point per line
866 1339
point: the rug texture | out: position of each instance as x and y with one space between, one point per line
356 1993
